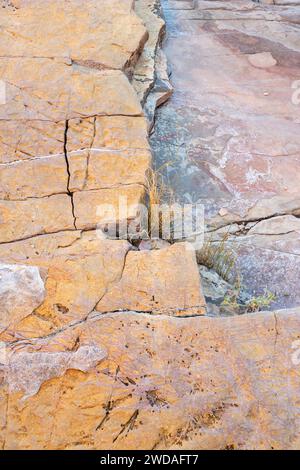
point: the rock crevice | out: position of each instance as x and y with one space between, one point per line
103 345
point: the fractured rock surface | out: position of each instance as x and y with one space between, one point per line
53 92
85 272
268 258
230 133
149 283
133 381
231 125
68 30
102 345
73 140
151 75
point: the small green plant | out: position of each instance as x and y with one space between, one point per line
230 302
256 304
233 303
217 256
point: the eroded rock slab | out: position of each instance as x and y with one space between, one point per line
73 374
157 281
231 126
229 136
132 381
84 272
76 130
68 99
268 258
33 85
151 75
92 93
79 269
65 29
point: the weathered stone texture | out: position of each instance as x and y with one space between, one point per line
84 272
33 178
93 354
79 270
232 128
103 34
231 124
150 284
132 381
34 216
66 91
21 292
151 78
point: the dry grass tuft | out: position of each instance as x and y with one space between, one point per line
216 256
158 193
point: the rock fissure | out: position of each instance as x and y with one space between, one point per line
68 171
105 344
225 160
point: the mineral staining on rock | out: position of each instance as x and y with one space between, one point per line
28 370
74 137
21 292
104 345
160 383
229 136
151 78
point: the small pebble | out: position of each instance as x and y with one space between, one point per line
223 212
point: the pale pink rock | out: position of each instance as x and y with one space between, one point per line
262 60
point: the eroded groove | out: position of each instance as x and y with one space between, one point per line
68 171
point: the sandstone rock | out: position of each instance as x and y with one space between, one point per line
59 100
276 226
214 289
223 211
21 292
160 383
262 60
24 219
108 132
67 30
151 79
268 259
80 268
84 271
28 371
45 176
144 73
91 206
74 374
158 281
83 92
232 145
41 216
21 139
162 89
153 244
51 100
101 168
